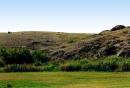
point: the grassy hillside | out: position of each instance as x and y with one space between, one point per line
41 40
69 45
106 43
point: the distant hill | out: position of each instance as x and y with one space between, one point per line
72 45
41 40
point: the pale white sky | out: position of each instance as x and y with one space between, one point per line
79 16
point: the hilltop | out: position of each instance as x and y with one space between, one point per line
41 40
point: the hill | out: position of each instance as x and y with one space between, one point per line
41 40
56 51
107 43
72 45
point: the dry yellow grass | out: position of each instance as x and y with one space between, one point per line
49 40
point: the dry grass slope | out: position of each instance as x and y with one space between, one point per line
41 40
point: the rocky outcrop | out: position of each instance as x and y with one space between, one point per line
118 27
125 51
107 50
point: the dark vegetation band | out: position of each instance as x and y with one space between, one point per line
25 60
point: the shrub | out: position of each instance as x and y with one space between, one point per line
109 64
1 62
22 68
123 66
16 56
50 67
9 85
40 56
93 66
38 63
125 31
9 32
84 61
71 41
70 67
1 69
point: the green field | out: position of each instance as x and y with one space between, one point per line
65 80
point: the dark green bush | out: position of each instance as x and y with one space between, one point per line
123 66
108 66
91 67
38 63
2 63
105 64
70 67
40 56
16 56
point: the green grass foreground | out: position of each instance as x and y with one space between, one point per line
65 80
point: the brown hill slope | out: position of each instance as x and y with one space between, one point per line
41 40
104 44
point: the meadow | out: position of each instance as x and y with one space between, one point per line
65 80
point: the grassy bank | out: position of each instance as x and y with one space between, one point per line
65 80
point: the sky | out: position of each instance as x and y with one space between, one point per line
77 16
